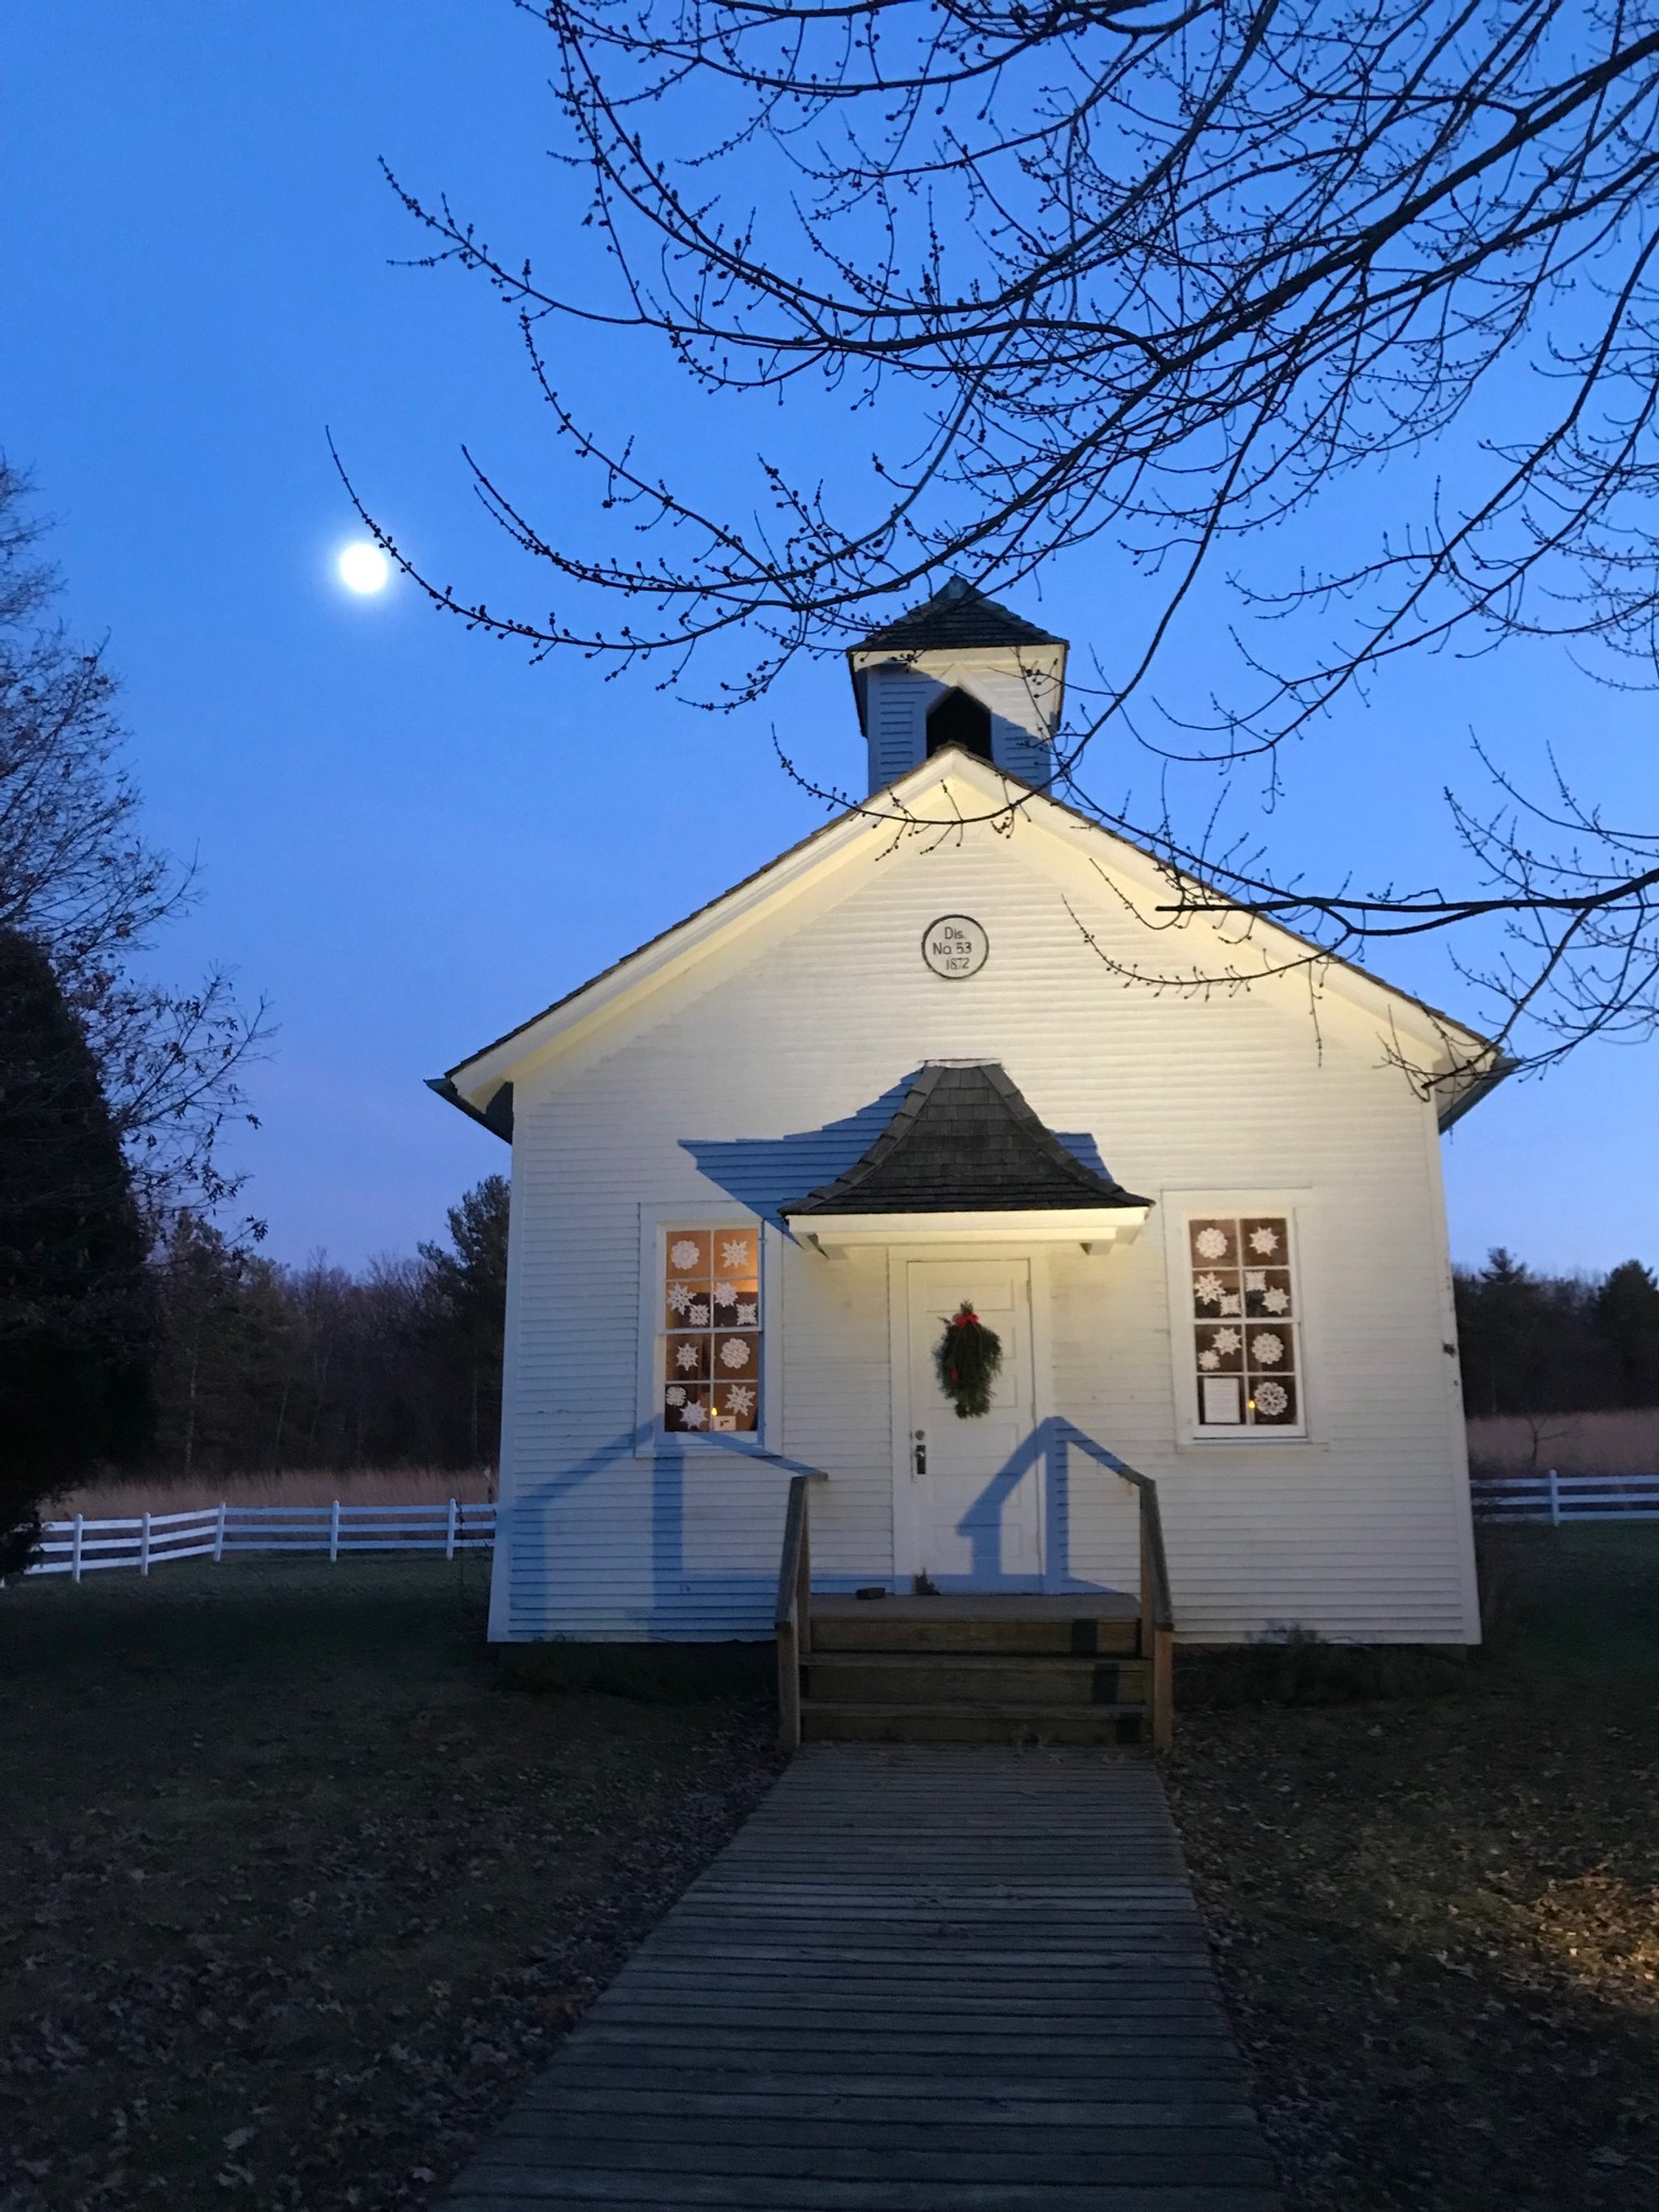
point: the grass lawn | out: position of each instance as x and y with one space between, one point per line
1437 1916
293 1895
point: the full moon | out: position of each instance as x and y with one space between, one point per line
364 568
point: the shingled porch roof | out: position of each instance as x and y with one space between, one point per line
962 1140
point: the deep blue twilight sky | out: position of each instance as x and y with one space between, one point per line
409 838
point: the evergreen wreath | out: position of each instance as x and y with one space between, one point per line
968 1358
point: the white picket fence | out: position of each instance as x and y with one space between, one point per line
79 1546
1558 1498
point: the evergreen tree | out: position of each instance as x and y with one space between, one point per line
75 1313
466 1328
1626 1315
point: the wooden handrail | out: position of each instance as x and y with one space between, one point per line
1157 1606
795 1608
1156 1609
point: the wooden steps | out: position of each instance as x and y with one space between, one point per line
974 1670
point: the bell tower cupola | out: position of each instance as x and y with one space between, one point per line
959 671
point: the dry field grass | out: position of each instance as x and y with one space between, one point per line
392 1486
1572 1443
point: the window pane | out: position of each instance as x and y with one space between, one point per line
1220 1350
1215 1292
685 1411
688 1252
1264 1239
1270 1349
711 1310
736 1407
1268 1293
1244 1336
735 1254
1272 1401
687 1360
1217 1399
1215 1243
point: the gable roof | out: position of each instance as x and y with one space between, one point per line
472 1083
962 1140
958 616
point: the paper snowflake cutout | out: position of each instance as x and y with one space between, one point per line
1209 1359
684 1253
685 1355
698 1315
739 1398
1264 1241
734 1252
1266 1349
694 1415
1254 1279
748 1317
1225 1339
1210 1243
674 1395
1271 1399
734 1353
1276 1301
1207 1289
679 1297
1230 1303
724 1294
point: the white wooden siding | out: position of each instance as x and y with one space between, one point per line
1360 1532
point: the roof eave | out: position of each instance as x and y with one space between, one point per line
1473 1093
1093 1229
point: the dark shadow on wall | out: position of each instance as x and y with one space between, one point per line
672 1596
1065 1459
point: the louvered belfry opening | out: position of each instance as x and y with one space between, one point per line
959 719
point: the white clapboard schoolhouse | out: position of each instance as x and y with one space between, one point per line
759 1163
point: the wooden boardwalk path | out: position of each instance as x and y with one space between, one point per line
919 1979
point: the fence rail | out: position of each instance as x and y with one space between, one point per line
1558 1498
143 1540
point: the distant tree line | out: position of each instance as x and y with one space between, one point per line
261 1366
1557 1344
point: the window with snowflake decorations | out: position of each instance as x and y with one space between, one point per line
711 1380
1246 1331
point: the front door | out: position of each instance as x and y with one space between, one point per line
971 1490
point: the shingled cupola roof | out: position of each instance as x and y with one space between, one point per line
964 1143
959 617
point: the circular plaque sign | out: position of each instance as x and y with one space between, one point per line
955 946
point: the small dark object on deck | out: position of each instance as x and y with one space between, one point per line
872 1590
925 1586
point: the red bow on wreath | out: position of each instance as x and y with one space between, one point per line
968 1358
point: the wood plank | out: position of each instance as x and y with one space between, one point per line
921 1979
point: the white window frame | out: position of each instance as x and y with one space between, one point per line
656 1218
1180 1209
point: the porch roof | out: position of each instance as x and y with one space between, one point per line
963 1142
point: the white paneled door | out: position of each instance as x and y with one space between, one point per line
970 1491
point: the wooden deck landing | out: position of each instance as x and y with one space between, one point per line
973 1605
919 1979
